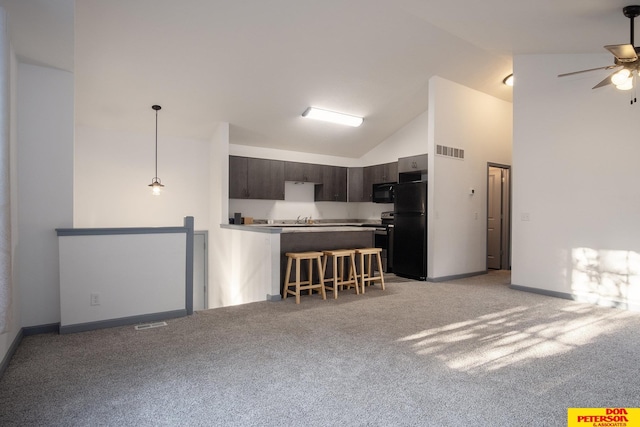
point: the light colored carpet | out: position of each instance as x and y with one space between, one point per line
460 353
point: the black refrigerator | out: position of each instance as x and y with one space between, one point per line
410 230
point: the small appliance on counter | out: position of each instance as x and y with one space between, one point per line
410 232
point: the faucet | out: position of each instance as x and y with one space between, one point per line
298 221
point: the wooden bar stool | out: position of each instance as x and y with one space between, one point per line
306 284
367 276
338 256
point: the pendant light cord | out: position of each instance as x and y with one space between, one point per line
156 108
156 144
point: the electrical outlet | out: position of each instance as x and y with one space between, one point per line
476 216
95 299
525 216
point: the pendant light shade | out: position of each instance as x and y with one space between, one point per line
156 184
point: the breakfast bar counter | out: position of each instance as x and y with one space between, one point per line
298 228
311 237
322 239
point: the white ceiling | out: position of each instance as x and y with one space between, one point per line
258 64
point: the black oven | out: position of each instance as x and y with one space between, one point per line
383 193
383 238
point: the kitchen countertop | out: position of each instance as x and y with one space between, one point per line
298 228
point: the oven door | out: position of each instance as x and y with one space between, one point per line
381 238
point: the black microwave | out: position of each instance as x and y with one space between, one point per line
383 193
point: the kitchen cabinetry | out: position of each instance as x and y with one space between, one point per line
356 193
413 164
387 172
251 178
412 168
302 172
238 168
334 185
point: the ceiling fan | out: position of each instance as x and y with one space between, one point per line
626 59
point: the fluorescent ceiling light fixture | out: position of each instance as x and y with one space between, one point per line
508 80
332 116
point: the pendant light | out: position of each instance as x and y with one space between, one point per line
156 185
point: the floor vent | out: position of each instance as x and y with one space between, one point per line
150 325
456 153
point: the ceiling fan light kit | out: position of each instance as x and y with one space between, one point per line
626 59
623 79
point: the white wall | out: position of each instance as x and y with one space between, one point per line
219 176
242 264
576 176
113 170
248 268
131 274
460 117
409 140
15 325
291 156
45 186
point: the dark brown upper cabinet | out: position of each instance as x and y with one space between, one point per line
377 174
334 185
302 172
356 185
251 178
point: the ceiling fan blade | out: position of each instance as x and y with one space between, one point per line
623 52
605 81
608 67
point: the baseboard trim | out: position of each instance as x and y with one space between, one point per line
456 276
41 329
544 292
12 350
273 297
123 321
622 305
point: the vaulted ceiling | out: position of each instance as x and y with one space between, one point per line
259 64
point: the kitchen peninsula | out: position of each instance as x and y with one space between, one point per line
285 238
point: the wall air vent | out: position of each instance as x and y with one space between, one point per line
456 153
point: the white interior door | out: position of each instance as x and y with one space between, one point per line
494 218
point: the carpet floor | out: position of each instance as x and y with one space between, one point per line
468 352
